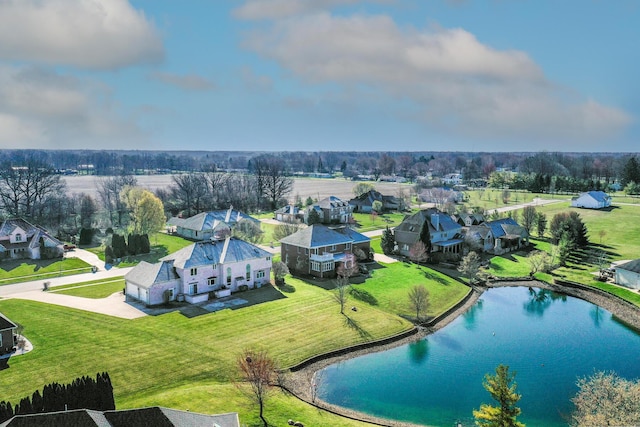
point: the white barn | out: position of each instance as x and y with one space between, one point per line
591 200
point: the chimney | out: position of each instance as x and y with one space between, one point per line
435 221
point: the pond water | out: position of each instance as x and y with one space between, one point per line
548 339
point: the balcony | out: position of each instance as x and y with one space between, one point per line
327 256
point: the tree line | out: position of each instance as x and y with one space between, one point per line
82 393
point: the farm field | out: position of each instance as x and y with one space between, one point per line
315 188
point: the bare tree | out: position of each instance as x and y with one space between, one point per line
285 228
341 292
109 190
189 193
529 216
539 261
280 271
470 266
419 300
259 371
88 209
418 252
273 183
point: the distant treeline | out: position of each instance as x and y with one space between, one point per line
83 393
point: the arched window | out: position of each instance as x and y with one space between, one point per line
248 276
229 276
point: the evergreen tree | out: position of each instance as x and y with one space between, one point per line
502 389
119 246
541 223
108 255
387 241
630 172
425 236
37 403
313 217
145 244
6 411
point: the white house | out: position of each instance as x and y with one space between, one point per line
21 239
207 225
199 272
591 200
628 274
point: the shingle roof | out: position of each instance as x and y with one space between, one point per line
145 274
210 252
630 266
9 225
600 196
154 416
504 226
210 220
5 323
331 202
318 235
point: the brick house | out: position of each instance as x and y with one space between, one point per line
319 250
332 210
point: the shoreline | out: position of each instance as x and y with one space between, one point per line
299 382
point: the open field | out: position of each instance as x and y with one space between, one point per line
92 289
315 188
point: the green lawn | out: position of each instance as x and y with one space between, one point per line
162 244
188 363
368 222
15 271
390 285
93 289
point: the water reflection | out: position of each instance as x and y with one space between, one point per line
419 351
540 300
596 314
470 315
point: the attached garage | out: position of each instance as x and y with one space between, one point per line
628 274
152 284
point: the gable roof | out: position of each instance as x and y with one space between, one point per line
153 416
5 323
212 251
600 196
211 220
504 226
633 266
10 225
331 202
318 235
145 274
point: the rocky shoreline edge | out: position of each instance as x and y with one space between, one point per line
299 379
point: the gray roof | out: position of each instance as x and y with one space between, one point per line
154 416
633 266
211 220
318 235
413 223
600 196
332 202
211 251
9 225
5 323
502 227
145 274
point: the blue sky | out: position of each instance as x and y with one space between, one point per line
311 75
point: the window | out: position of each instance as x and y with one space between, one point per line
306 251
315 265
171 291
211 281
405 247
193 288
269 258
333 248
327 266
348 246
194 271
228 276
248 275
18 237
260 274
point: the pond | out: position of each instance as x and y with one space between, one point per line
549 339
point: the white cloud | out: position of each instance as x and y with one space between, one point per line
94 34
191 82
455 82
275 9
43 108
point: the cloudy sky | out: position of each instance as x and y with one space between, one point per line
364 75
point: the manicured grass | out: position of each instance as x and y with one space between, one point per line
165 358
368 222
15 271
94 289
162 244
390 285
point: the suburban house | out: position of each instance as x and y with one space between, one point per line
21 239
199 272
332 210
289 213
467 219
153 416
319 250
444 232
628 274
8 338
591 200
364 202
452 179
207 225
499 236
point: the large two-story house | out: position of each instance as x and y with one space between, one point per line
364 202
444 232
207 225
21 239
332 210
319 250
199 272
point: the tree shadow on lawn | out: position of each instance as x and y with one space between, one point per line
351 323
431 276
10 265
